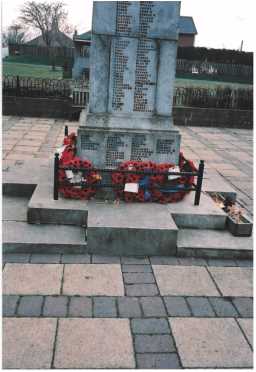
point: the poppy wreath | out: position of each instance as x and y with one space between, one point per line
69 159
153 188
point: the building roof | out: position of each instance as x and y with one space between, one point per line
59 39
187 25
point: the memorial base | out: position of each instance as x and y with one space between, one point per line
107 144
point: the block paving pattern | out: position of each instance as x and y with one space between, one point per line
149 317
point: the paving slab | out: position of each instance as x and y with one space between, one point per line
247 327
94 343
233 281
28 343
211 343
206 215
130 229
184 281
213 244
93 280
21 178
32 279
21 237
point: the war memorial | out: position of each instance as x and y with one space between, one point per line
128 128
115 254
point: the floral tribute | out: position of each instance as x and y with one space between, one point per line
154 188
71 178
80 181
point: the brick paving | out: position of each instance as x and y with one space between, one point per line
154 340
148 312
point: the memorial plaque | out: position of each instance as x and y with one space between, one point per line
133 63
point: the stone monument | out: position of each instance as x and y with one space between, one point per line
132 73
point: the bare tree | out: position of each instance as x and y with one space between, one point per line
15 34
45 16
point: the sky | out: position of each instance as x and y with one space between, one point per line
219 23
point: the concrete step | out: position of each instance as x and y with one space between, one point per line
21 237
43 209
209 243
206 215
130 229
14 208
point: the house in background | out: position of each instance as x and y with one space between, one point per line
59 39
187 33
81 64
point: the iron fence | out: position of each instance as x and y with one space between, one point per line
78 91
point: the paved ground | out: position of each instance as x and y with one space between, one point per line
89 311
229 151
119 312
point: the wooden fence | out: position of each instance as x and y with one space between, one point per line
78 90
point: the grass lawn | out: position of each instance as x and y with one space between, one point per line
31 70
179 82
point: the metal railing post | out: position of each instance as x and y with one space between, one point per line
199 182
66 131
56 177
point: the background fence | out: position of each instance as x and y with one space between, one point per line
214 71
78 90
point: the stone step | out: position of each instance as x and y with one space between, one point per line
206 215
217 244
130 229
21 237
42 208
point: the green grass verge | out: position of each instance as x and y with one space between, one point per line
210 84
31 70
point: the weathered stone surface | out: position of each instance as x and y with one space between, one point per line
30 306
93 280
132 278
150 326
55 306
141 290
184 281
206 215
154 344
20 237
9 305
196 338
96 343
45 258
135 260
223 307
15 208
233 281
213 244
200 306
136 269
75 258
129 307
105 259
16 257
43 209
153 306
130 229
161 260
104 307
247 327
33 279
244 306
28 343
177 306
80 307
158 361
